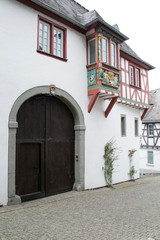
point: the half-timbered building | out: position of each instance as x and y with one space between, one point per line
150 137
69 84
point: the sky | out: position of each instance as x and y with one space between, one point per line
139 20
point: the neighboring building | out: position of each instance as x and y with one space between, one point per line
69 84
150 139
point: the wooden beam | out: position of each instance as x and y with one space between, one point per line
144 113
110 106
92 101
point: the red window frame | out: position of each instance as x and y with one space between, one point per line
134 76
87 43
51 47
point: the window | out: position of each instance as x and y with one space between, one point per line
150 130
105 50
131 73
134 74
52 39
136 127
44 36
113 54
137 83
123 125
150 159
91 51
58 42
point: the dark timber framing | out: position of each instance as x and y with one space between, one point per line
150 141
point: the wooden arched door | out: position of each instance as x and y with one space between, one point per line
44 148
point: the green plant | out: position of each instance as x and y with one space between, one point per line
110 155
132 170
131 152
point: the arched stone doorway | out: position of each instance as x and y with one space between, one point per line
79 128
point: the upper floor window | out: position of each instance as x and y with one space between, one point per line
52 39
58 42
150 130
131 73
105 50
137 78
134 74
44 36
113 54
91 51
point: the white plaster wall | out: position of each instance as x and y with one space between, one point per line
151 168
99 131
22 68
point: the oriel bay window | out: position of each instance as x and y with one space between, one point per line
51 39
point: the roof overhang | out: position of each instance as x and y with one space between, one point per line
136 61
45 9
100 23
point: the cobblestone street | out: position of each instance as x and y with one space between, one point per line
131 211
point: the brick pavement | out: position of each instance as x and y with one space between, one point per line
129 212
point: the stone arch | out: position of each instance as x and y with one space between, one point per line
79 127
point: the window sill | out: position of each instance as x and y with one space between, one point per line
135 86
106 65
150 164
52 55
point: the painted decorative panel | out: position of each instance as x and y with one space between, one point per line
109 78
91 76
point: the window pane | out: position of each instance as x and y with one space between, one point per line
131 75
44 36
137 78
40 26
92 51
105 50
150 157
113 54
40 33
150 130
58 42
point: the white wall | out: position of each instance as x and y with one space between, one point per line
22 68
99 131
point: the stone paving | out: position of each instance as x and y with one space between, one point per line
131 211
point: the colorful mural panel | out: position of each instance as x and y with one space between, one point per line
91 76
109 78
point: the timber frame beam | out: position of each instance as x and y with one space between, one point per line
92 101
144 113
110 106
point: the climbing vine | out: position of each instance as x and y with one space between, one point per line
132 170
110 156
